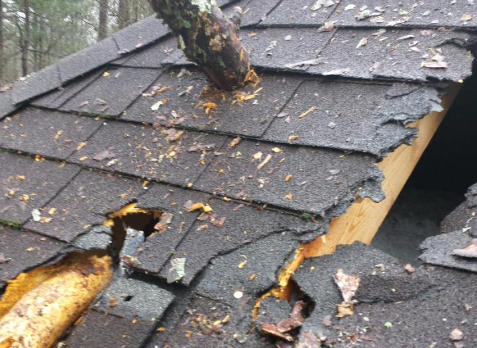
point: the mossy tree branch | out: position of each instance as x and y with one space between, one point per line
207 38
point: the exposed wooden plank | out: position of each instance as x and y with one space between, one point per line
364 217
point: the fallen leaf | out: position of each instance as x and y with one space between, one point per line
271 329
388 324
344 309
157 105
467 17
195 207
322 3
201 147
277 150
327 27
469 251
106 154
36 215
235 142
288 178
409 269
257 156
293 138
217 222
177 270
243 263
290 196
347 284
456 335
173 134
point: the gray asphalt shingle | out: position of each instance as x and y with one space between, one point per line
164 154
97 98
184 103
38 83
46 133
24 250
85 202
291 177
28 184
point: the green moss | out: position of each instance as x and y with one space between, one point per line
12 224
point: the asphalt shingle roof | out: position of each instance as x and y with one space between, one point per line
130 120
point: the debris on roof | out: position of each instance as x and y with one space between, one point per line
238 181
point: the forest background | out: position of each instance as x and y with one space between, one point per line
37 33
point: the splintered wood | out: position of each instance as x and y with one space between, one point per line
39 306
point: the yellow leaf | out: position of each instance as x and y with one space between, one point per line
235 142
292 138
196 206
288 178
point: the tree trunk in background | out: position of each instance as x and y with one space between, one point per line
207 38
123 14
26 37
2 50
103 19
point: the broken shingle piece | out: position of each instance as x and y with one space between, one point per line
251 269
131 298
440 250
161 245
46 133
243 225
361 121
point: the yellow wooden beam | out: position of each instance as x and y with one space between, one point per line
364 217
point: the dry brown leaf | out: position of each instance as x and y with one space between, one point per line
344 309
456 335
271 329
235 142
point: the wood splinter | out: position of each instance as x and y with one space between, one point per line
39 306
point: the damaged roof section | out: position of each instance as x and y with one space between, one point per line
237 181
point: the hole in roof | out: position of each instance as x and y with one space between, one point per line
438 183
